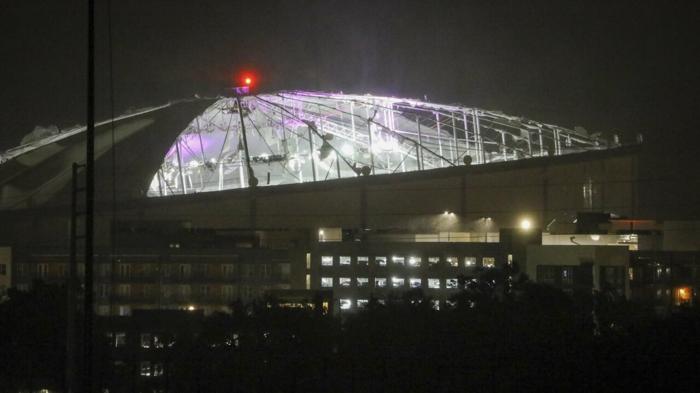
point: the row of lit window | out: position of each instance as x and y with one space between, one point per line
147 340
347 304
381 282
327 260
151 369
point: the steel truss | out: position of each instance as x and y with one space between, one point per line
299 136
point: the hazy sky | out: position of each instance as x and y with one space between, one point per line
624 66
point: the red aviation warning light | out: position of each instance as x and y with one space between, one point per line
246 83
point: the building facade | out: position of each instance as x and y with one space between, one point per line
358 272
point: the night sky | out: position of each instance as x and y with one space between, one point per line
620 66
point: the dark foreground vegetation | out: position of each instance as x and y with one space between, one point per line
498 336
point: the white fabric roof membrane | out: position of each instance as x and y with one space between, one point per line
300 136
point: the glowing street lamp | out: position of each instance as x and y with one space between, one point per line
525 224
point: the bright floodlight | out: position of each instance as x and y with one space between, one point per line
248 81
525 224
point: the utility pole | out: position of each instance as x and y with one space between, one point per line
72 286
89 203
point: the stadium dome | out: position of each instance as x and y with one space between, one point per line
299 136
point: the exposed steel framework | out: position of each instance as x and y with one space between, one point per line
300 136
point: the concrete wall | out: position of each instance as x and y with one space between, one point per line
681 236
559 255
541 189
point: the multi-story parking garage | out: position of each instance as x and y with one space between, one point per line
336 176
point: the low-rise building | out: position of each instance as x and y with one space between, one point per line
580 267
358 272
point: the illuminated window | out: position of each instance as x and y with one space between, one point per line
362 261
145 369
308 260
469 261
683 295
345 304
414 282
488 262
567 275
344 281
157 369
145 340
379 282
433 261
452 261
119 339
158 342
124 311
326 282
362 281
380 261
344 261
414 261
326 261
434 283
630 273
397 282
398 260
451 283
362 303
308 281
